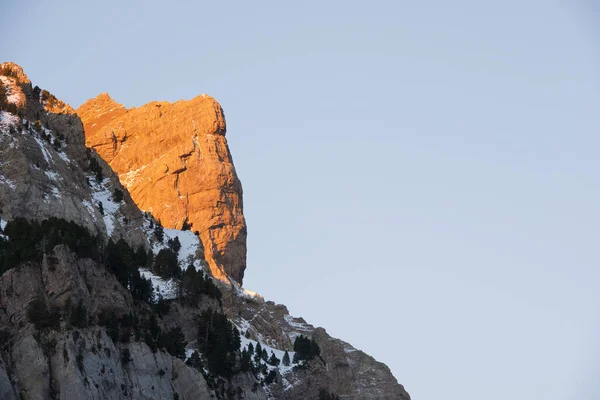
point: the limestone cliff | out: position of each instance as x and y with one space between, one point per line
174 160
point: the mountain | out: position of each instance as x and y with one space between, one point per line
100 300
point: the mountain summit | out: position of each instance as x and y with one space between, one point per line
174 160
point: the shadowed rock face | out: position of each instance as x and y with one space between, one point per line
174 160
45 166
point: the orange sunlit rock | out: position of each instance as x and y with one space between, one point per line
174 160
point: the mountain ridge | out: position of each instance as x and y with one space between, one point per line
104 340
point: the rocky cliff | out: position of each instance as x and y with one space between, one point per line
46 170
98 300
174 160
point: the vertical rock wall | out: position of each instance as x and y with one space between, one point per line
174 160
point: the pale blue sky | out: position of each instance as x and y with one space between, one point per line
420 178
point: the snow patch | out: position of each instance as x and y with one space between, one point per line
7 182
56 193
53 176
64 157
243 326
47 155
190 243
2 226
7 119
245 293
100 194
166 288
349 349
188 353
295 324
90 209
13 95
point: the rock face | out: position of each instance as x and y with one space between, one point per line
174 160
45 166
341 369
84 363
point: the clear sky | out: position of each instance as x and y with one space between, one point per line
421 178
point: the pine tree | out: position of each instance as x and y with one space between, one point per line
118 195
305 348
237 341
271 377
274 361
250 349
286 359
159 232
246 361
195 361
141 257
193 284
174 342
165 264
78 317
174 244
257 353
99 177
216 340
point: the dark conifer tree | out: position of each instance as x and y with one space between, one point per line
159 232
246 361
271 377
78 317
118 195
257 353
174 342
305 348
217 341
174 244
286 359
166 265
141 257
264 355
99 177
273 360
195 361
